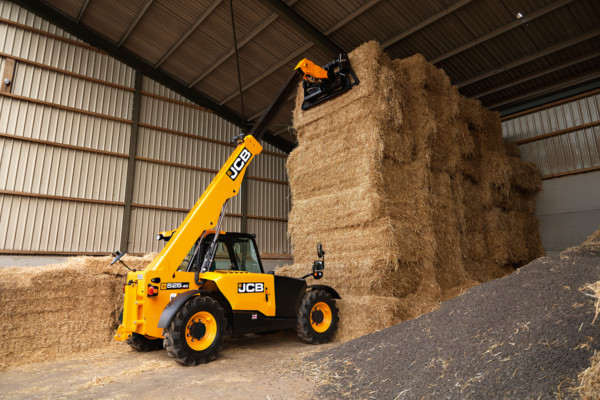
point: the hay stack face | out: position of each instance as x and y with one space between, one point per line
409 187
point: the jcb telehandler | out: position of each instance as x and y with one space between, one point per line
206 283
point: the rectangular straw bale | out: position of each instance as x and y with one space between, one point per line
525 176
369 64
373 242
354 278
354 206
360 315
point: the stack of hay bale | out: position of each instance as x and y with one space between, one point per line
410 189
51 311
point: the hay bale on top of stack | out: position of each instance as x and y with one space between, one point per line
409 188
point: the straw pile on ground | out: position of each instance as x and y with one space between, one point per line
51 311
410 189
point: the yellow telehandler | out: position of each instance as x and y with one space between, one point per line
206 283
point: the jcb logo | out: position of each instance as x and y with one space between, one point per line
256 287
239 164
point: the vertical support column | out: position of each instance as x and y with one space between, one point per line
133 139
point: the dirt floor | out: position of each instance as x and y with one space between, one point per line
250 367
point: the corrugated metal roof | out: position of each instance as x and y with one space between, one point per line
481 44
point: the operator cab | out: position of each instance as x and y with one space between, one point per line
235 252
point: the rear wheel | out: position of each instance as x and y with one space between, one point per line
317 317
195 335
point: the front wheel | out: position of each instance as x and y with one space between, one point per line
317 317
195 335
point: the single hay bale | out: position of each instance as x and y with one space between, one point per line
360 315
525 176
61 309
357 278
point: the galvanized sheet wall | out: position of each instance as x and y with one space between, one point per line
182 147
65 131
56 196
577 149
568 207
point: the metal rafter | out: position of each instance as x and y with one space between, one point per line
292 18
502 29
542 72
274 68
186 35
231 51
565 83
82 11
352 16
135 22
427 22
531 57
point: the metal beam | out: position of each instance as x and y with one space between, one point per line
428 21
274 68
135 22
531 57
352 16
312 34
565 83
542 72
231 51
502 29
133 140
183 38
82 11
571 94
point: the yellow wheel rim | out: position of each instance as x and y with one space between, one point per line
200 331
320 317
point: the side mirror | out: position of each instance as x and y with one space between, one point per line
320 251
118 256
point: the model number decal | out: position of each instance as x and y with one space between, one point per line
239 164
175 285
251 287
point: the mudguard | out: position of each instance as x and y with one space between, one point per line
326 288
174 306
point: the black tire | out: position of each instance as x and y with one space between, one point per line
142 343
317 317
195 335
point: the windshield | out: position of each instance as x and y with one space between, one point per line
245 254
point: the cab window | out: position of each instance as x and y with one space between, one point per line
222 260
245 254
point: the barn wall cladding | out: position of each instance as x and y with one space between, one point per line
563 140
67 122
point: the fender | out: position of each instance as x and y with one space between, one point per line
174 306
326 288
